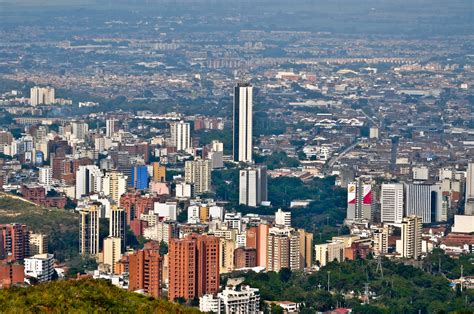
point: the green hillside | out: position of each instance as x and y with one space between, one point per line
82 296
60 225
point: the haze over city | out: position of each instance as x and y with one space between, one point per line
216 156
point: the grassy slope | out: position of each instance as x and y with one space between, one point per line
82 296
61 226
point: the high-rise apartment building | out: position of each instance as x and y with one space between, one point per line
360 203
253 186
194 270
88 180
283 249
45 177
89 229
114 185
381 240
40 267
262 244
110 127
112 252
282 218
80 130
145 272
392 202
226 255
117 224
198 172
469 199
42 96
423 200
242 120
238 299
159 172
245 257
140 177
328 252
180 135
38 244
14 242
411 236
306 248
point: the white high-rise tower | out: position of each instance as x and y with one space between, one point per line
469 205
243 112
110 127
181 135
392 203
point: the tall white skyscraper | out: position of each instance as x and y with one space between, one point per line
253 186
110 127
42 96
469 205
88 180
181 135
243 111
392 203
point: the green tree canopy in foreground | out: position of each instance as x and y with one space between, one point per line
402 289
82 296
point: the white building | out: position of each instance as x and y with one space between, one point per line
283 218
184 190
88 180
45 177
469 205
161 231
216 213
180 135
110 128
463 224
42 96
242 120
392 203
210 303
240 299
421 173
233 221
166 210
114 184
40 266
253 186
80 130
193 214
328 252
216 155
38 243
198 172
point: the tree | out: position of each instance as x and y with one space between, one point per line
163 248
284 274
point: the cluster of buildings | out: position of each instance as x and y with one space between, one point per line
24 257
407 219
